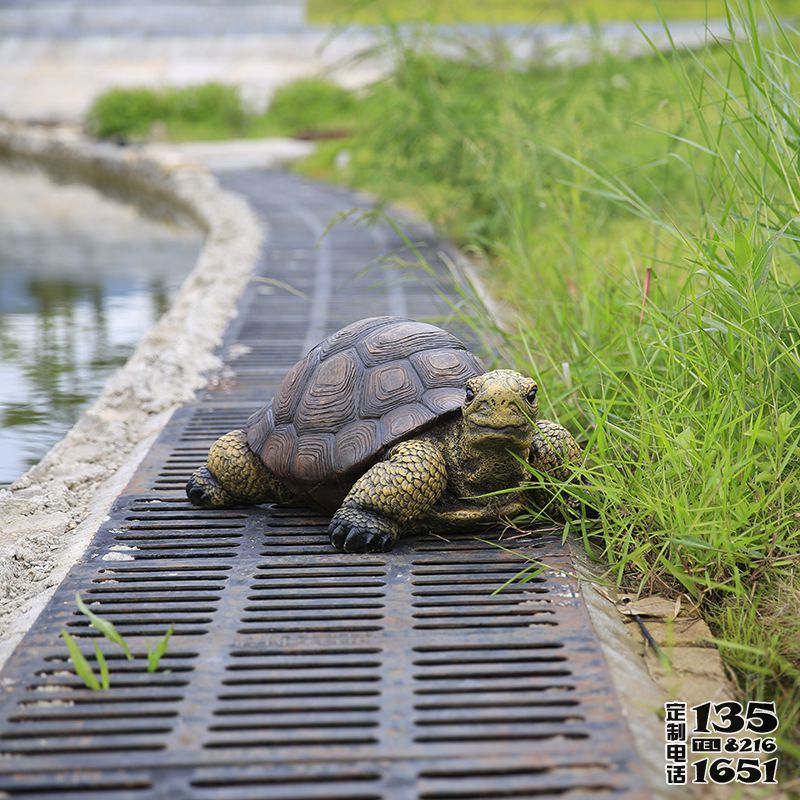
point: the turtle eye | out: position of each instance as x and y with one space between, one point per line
531 396
470 395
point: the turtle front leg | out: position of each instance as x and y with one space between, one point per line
553 453
234 476
388 495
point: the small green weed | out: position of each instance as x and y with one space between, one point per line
154 655
79 661
82 668
104 626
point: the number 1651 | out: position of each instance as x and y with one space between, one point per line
744 770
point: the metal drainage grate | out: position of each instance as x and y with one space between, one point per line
298 673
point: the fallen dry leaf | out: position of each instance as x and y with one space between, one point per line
655 606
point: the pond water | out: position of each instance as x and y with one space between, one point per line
82 277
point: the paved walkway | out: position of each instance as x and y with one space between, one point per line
295 671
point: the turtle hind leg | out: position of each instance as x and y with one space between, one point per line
205 491
234 476
391 493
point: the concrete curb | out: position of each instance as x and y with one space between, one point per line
51 512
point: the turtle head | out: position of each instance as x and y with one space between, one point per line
500 408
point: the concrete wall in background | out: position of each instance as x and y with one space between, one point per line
75 18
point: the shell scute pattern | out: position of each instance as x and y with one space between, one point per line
349 336
314 457
356 394
328 401
291 390
279 449
443 400
388 386
260 426
408 417
437 368
397 340
355 444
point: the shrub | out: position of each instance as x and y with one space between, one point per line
208 110
311 104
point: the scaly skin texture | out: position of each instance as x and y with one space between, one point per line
234 476
393 492
436 481
552 452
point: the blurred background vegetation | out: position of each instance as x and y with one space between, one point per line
515 11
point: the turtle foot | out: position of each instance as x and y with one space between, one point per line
355 530
203 490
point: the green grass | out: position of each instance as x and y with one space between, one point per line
641 221
216 111
521 11
137 112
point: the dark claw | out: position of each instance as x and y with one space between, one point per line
386 542
354 539
195 493
338 534
357 541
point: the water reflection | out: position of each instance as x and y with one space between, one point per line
81 278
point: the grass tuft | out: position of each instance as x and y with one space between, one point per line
310 105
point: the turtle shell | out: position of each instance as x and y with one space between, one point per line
353 396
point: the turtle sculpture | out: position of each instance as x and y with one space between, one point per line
393 426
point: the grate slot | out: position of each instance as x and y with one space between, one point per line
328 671
76 787
327 782
516 783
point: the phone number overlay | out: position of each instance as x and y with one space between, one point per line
735 735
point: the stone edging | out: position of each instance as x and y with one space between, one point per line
50 514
